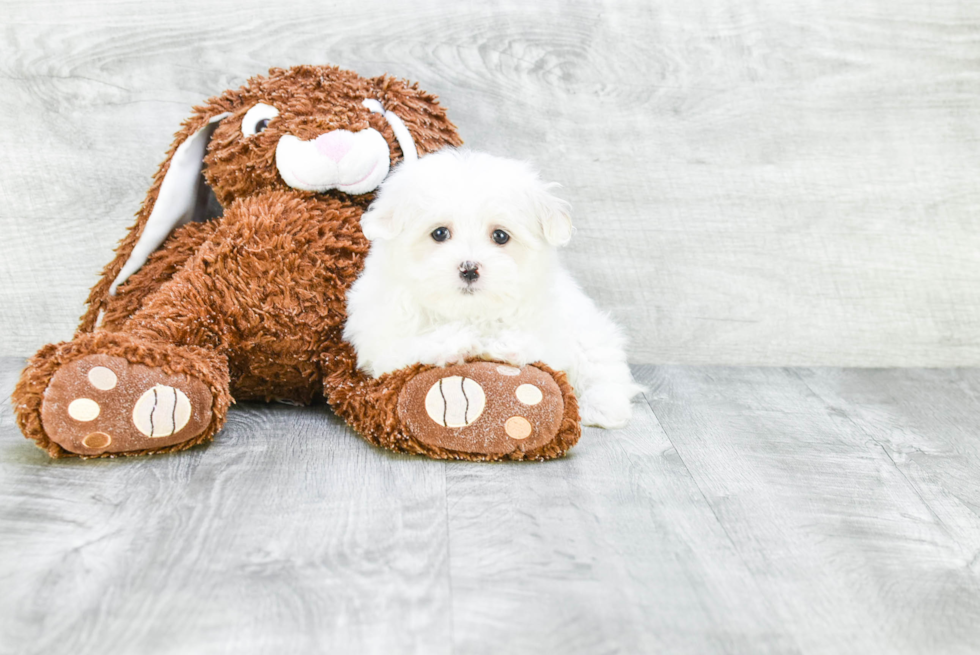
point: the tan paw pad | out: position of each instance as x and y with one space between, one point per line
102 378
161 411
529 394
97 440
84 409
517 427
455 402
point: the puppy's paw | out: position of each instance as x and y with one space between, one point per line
449 345
513 357
448 358
607 406
511 347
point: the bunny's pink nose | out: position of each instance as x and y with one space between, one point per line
335 144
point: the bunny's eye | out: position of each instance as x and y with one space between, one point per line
257 119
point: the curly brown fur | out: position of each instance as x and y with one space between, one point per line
160 267
271 310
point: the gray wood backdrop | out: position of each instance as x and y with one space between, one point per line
754 182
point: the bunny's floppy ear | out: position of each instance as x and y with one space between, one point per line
176 200
173 200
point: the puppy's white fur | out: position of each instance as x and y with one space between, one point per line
411 304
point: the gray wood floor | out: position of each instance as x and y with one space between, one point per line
745 510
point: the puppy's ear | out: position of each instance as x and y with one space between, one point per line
553 214
381 221
386 217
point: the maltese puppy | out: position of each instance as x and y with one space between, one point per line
464 264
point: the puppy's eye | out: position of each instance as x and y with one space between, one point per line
440 234
257 119
500 237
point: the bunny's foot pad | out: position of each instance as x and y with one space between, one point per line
102 404
484 409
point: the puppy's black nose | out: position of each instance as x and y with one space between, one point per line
469 271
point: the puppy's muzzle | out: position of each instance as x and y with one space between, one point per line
469 272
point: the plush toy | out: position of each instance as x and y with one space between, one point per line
232 282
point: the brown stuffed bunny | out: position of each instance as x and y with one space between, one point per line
232 283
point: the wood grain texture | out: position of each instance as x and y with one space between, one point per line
612 550
286 535
742 511
760 182
854 554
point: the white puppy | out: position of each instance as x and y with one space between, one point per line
463 263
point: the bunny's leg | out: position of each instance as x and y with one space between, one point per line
158 383
477 410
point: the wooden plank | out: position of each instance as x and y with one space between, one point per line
766 182
612 550
851 556
926 421
286 535
743 510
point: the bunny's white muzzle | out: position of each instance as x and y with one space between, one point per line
353 162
